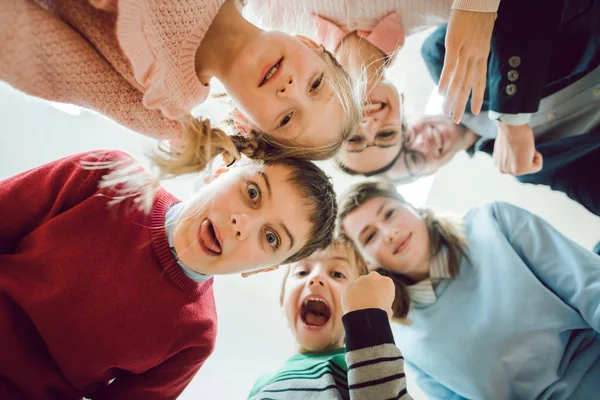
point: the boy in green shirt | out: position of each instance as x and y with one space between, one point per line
328 303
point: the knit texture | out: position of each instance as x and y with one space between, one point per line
130 60
91 292
357 15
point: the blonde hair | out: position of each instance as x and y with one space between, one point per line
444 232
356 259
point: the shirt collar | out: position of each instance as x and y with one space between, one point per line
170 219
424 291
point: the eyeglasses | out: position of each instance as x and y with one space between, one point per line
414 161
383 139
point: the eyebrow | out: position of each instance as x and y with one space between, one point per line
265 178
290 236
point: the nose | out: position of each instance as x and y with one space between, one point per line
317 278
423 141
242 225
368 127
289 88
390 234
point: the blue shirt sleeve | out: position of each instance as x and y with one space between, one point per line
431 388
569 270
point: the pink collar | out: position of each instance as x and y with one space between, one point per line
387 35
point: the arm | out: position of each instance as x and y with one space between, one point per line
166 381
430 388
42 56
31 198
375 364
523 40
567 269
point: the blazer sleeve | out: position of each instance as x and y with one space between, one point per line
522 42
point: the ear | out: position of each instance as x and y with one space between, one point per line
216 173
310 43
247 274
241 123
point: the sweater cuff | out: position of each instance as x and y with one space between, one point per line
367 328
476 5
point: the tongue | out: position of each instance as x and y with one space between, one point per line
208 238
315 319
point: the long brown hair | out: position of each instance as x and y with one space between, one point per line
443 232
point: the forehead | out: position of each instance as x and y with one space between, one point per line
365 214
288 204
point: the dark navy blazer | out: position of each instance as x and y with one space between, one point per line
556 52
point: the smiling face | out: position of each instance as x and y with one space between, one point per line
431 141
382 125
246 219
281 84
392 235
312 298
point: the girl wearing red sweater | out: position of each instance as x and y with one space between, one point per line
146 64
109 302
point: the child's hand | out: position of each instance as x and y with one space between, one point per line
369 291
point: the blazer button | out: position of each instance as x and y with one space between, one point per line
511 89
513 75
514 61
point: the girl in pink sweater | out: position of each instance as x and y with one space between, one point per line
147 63
364 36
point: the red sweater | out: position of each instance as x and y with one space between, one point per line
91 292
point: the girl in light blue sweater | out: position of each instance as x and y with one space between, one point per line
502 307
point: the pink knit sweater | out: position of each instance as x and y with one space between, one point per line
132 60
362 16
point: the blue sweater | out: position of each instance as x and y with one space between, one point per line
520 321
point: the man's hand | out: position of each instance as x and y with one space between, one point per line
514 150
369 291
465 65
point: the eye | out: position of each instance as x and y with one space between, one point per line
300 273
285 120
253 191
272 240
370 237
386 134
355 139
338 275
317 83
389 213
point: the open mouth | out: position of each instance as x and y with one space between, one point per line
372 107
271 72
208 239
402 244
315 311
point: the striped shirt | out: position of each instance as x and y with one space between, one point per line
370 367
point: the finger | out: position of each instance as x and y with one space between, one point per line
479 81
455 85
463 93
450 61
